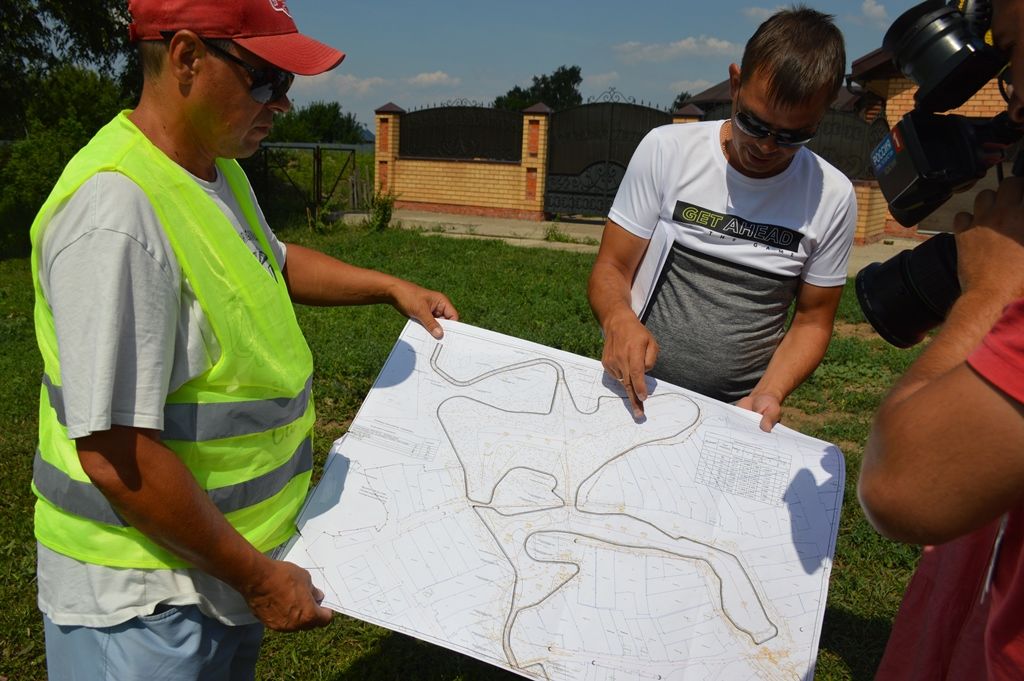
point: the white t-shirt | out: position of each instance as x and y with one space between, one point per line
726 252
129 332
679 188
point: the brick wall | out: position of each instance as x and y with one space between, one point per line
499 189
516 190
872 212
985 103
494 188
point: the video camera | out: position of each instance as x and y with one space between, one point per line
946 49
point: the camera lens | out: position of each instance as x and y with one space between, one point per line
910 294
943 52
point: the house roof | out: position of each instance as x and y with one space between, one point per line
846 100
689 109
538 108
390 107
875 65
713 95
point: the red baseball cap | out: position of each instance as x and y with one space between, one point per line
264 27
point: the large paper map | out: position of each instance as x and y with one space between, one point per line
497 497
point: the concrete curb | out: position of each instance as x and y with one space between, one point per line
581 236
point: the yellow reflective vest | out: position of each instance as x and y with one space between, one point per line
243 428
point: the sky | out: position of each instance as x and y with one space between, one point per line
416 54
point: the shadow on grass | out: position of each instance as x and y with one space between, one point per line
403 657
858 641
596 221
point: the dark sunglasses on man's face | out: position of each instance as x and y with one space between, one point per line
268 84
751 126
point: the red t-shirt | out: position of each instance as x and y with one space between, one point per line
948 626
1000 357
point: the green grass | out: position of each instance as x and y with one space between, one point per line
536 294
554 233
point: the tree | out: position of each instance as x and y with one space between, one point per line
69 105
560 90
39 35
681 99
77 93
318 122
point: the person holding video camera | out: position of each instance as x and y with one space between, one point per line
718 227
944 463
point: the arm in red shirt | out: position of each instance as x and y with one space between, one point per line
946 450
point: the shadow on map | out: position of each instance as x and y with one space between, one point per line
398 656
858 641
616 387
803 496
400 364
329 494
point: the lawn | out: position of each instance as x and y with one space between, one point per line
536 294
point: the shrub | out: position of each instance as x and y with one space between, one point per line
26 178
70 104
382 205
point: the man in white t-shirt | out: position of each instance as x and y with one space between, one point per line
176 411
718 227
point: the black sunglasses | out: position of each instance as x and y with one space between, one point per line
268 84
751 126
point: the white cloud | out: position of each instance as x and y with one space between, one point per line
600 81
875 12
632 52
338 84
759 14
434 78
694 87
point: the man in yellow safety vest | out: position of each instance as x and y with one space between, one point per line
175 411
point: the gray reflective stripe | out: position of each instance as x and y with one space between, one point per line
74 496
213 421
252 492
56 400
85 500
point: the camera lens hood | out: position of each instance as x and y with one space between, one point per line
910 294
934 45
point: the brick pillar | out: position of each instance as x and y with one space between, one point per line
532 137
536 122
385 156
531 184
871 212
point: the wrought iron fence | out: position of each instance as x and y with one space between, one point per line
846 141
462 132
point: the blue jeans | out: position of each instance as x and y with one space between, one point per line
176 643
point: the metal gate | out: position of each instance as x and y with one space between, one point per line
307 167
589 147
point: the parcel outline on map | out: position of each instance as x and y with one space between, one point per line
496 497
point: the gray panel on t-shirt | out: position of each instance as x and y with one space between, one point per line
717 323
